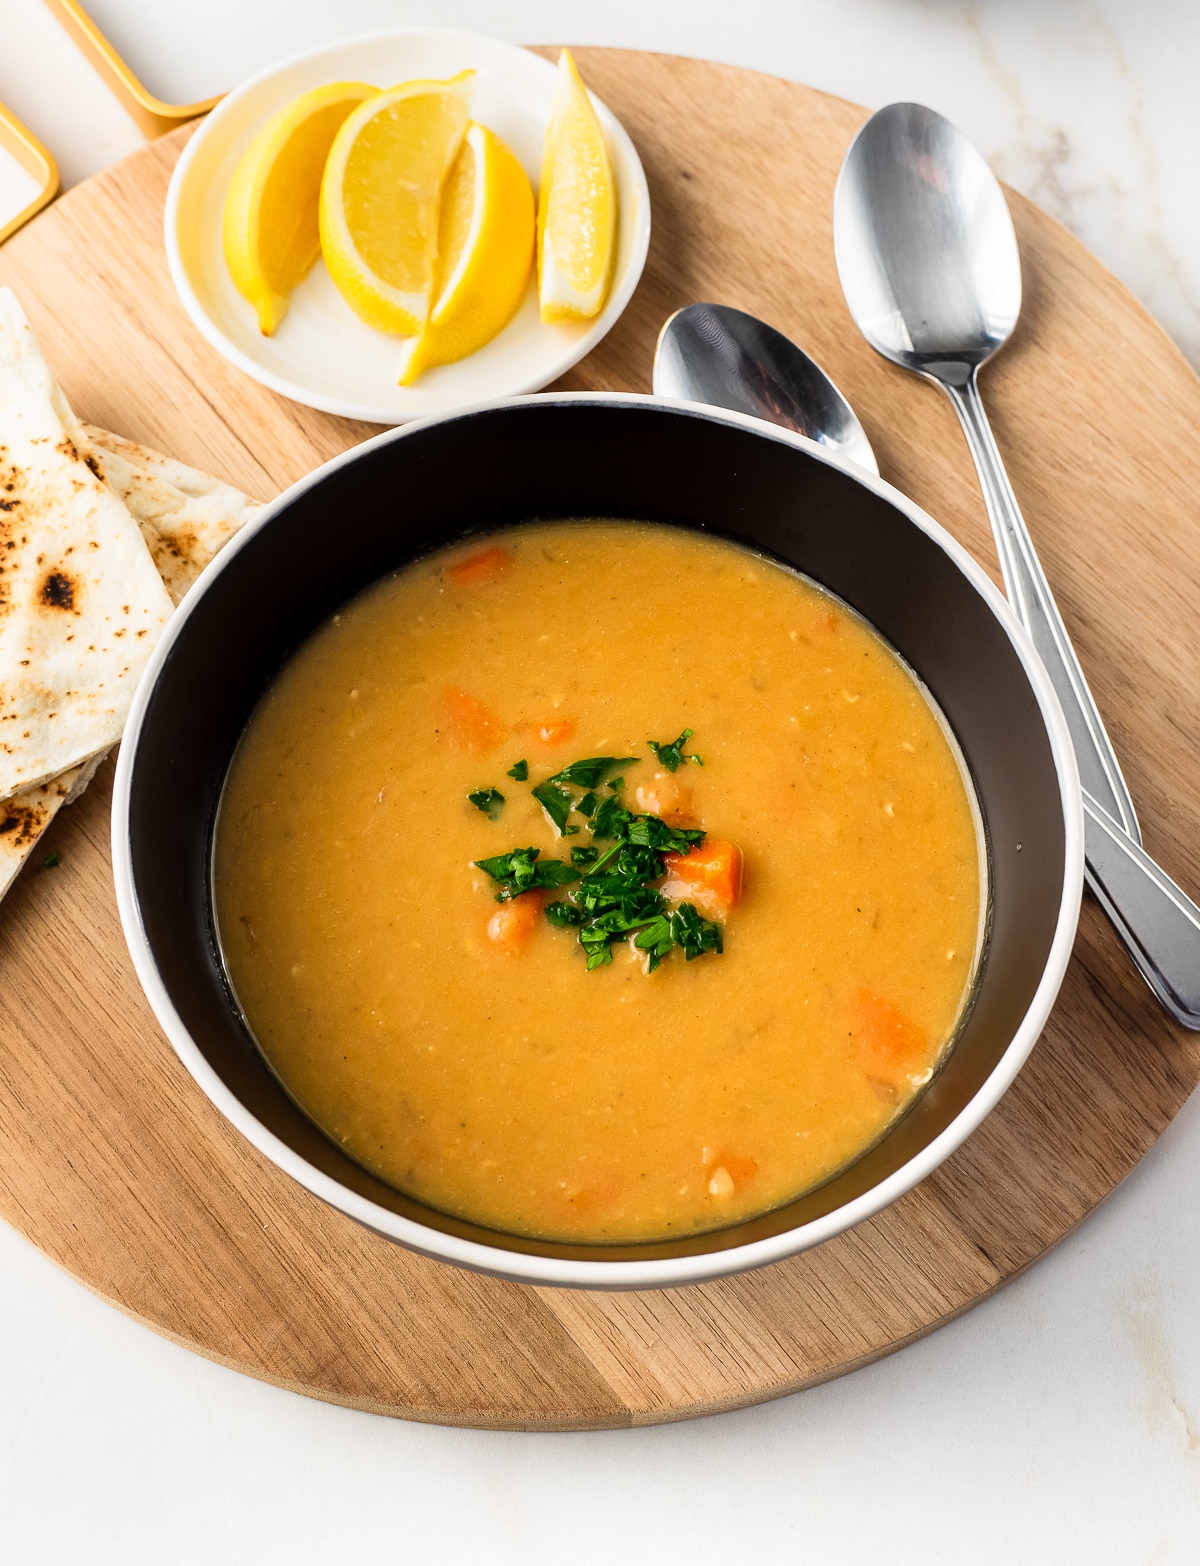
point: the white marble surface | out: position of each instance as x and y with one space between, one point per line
1058 1423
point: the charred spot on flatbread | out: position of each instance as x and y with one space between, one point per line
59 590
21 825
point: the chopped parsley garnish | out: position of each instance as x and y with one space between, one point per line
557 803
615 897
489 800
592 770
609 817
651 832
671 755
520 871
52 861
694 934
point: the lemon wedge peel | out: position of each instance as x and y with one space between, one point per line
577 209
485 255
381 197
270 225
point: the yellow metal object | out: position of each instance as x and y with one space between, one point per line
24 146
153 116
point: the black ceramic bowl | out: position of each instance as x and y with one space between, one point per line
428 484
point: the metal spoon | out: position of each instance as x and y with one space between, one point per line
929 266
714 354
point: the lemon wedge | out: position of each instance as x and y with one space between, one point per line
577 216
484 254
381 194
270 221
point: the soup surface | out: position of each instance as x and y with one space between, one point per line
460 1047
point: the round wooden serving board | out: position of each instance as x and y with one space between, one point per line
114 1163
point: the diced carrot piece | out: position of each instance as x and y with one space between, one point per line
664 796
740 1167
482 567
555 731
511 927
710 875
889 1041
468 722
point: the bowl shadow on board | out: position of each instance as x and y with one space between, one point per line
419 488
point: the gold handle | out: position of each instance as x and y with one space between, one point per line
35 159
153 116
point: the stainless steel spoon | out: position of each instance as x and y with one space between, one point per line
714 354
929 265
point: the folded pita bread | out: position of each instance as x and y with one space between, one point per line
25 816
182 538
191 481
81 604
183 527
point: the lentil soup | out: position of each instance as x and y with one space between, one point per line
478 1035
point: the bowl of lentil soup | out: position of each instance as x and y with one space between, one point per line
607 843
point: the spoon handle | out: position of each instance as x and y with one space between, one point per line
1031 598
1159 923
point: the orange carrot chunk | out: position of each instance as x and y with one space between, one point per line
555 731
710 875
890 1043
511 927
740 1167
468 722
481 567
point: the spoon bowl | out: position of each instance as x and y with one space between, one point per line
714 354
925 246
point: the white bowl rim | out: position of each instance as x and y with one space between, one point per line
668 1272
369 413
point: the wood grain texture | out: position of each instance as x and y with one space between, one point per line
115 1165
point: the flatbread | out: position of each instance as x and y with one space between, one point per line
81 604
191 481
25 816
183 527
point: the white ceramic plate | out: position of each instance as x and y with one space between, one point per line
322 354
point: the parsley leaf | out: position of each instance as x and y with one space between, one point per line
518 871
557 804
610 817
489 800
695 934
653 832
670 754
591 771
584 856
563 915
520 771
